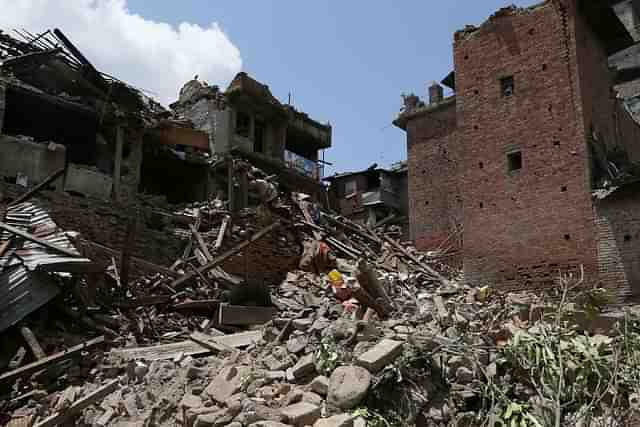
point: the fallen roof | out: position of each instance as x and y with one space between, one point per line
24 284
52 63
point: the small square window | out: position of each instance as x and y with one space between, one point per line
507 86
514 161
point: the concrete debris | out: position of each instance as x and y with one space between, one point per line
381 355
348 386
252 305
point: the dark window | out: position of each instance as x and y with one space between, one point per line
507 86
514 161
243 124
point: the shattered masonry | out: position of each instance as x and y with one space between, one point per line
187 267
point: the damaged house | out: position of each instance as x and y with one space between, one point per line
57 112
373 196
248 122
534 154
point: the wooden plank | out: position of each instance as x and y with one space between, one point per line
39 241
240 339
146 264
208 341
125 261
180 282
41 364
420 264
32 342
353 228
80 405
5 246
200 304
35 190
350 252
201 243
144 301
187 348
245 315
222 232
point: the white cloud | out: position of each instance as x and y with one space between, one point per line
150 55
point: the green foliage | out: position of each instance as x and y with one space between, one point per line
518 415
327 356
373 418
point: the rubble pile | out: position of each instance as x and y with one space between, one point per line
360 330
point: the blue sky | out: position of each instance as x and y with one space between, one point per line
346 62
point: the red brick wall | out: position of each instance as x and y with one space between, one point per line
522 227
618 226
265 260
105 223
435 205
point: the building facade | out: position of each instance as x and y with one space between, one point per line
514 156
372 195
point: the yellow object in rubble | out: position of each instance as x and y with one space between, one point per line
483 293
336 278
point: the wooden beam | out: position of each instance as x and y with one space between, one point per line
245 315
371 237
125 262
39 241
146 264
118 162
179 283
41 364
5 245
35 190
145 301
222 232
201 243
63 417
32 342
197 305
188 347
420 264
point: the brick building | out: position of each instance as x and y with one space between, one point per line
533 153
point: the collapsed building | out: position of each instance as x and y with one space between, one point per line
116 157
248 121
534 153
374 196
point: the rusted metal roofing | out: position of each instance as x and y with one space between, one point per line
24 283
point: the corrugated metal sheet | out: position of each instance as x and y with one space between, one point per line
24 285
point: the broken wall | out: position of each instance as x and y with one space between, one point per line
35 160
105 222
47 118
525 220
88 181
268 259
618 227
